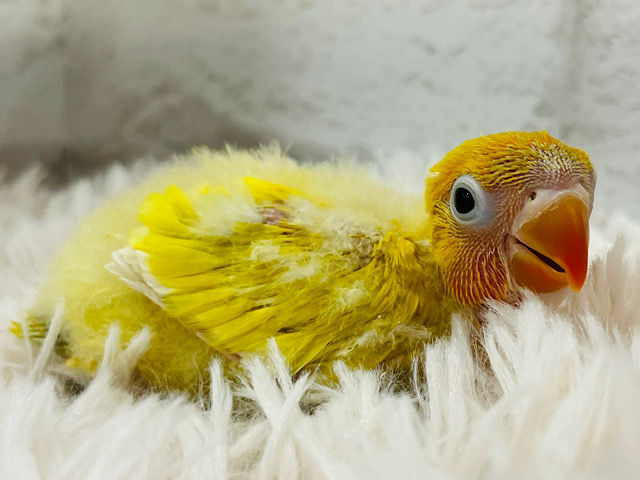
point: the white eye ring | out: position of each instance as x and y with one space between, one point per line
468 201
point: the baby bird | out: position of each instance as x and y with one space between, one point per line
226 250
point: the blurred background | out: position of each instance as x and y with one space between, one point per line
84 83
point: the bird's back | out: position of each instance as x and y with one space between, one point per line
226 250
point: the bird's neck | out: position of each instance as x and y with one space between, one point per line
410 281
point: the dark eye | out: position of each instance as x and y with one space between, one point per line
468 202
464 201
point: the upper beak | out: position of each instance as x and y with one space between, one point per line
549 247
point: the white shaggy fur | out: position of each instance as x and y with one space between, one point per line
553 393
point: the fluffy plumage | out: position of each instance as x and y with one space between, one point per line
229 249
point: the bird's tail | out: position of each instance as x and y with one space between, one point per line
36 329
33 328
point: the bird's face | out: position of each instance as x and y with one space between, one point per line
510 211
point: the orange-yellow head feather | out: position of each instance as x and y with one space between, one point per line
508 211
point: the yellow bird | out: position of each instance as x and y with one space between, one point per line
229 249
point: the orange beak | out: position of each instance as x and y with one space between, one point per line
550 250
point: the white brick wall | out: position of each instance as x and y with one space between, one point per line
114 79
31 81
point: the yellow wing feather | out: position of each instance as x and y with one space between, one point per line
279 279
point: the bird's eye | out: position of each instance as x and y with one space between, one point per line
468 201
464 201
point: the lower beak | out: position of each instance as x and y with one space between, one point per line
550 249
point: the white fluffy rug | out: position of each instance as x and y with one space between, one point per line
558 397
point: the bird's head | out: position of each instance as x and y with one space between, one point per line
510 211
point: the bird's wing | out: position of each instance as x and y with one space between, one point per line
320 294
